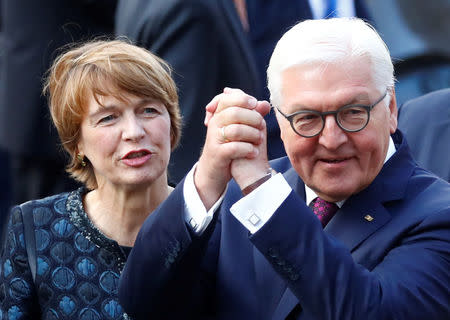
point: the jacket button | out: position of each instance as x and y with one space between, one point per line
273 253
294 276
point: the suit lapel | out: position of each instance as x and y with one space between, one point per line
295 182
357 220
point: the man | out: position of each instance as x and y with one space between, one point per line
205 44
425 122
383 255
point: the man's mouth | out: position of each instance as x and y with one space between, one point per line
334 160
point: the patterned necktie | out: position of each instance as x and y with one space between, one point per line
324 210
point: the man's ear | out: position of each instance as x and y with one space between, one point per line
393 112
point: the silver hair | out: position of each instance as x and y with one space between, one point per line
330 41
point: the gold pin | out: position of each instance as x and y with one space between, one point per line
368 217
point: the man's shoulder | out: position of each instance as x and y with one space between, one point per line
434 101
430 189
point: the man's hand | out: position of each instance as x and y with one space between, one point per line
235 131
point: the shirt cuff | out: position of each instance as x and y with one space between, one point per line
196 215
255 209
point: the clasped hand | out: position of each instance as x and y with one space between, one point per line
235 145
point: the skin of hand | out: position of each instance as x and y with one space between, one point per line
243 125
244 170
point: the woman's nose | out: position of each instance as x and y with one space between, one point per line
133 129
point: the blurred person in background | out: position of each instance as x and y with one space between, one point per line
205 44
5 187
33 31
425 121
417 34
115 107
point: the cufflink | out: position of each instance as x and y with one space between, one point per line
254 219
368 217
192 223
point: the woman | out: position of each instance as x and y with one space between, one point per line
115 107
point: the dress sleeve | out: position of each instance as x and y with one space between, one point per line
18 298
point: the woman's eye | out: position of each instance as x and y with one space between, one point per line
150 111
108 118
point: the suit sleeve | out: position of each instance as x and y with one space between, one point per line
411 281
17 290
169 270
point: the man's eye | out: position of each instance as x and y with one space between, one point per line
355 111
306 117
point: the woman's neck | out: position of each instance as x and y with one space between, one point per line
120 212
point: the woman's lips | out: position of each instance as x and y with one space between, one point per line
136 158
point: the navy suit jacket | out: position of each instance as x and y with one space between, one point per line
392 267
426 124
206 46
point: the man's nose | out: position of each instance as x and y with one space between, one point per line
133 129
332 136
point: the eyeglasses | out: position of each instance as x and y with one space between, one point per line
350 118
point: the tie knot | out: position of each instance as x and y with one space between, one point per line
324 210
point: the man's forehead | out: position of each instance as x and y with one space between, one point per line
333 83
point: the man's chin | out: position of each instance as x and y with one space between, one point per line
333 194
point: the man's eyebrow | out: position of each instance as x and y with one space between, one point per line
361 98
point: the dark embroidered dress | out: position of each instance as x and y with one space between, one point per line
78 267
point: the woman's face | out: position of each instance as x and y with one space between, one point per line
127 143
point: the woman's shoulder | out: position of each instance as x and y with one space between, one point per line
55 202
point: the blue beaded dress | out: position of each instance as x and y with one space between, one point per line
78 267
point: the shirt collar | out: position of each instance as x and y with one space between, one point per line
311 195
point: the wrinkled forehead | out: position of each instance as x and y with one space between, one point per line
328 80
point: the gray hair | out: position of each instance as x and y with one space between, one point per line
329 41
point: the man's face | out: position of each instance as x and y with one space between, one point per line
336 163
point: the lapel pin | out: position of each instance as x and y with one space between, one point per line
368 217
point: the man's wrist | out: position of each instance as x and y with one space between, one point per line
248 189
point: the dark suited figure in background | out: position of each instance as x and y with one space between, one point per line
205 44
268 20
417 34
5 188
426 124
33 30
